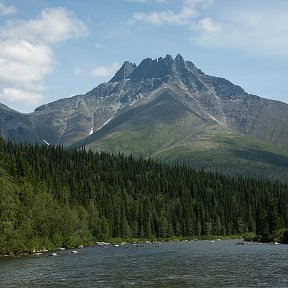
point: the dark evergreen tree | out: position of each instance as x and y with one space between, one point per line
261 222
51 197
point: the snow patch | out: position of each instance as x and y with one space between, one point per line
46 142
92 125
213 118
217 121
105 123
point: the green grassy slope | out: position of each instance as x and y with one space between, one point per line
168 130
217 150
231 154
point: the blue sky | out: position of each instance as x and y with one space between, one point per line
54 49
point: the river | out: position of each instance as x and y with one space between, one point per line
177 264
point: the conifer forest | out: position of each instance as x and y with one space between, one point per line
55 197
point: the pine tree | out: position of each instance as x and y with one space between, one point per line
261 222
273 217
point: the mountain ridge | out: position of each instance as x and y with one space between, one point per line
132 106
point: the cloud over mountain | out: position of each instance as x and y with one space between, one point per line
26 52
105 71
6 10
187 16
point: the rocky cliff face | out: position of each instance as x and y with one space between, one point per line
165 92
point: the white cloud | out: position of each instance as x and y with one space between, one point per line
105 71
24 65
27 56
7 10
208 25
98 45
22 61
52 26
256 27
187 16
258 31
14 95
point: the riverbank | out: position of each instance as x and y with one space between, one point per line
209 263
119 241
277 236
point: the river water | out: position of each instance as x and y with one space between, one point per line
179 264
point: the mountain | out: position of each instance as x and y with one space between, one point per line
168 109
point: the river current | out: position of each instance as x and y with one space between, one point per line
178 264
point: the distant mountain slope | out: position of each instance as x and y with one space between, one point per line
17 127
165 108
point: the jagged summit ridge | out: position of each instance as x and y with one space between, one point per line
124 72
154 68
167 99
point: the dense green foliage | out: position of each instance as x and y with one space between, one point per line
52 197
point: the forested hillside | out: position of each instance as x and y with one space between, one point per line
169 110
52 197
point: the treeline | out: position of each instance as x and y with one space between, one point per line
53 197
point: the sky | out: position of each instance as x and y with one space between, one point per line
51 49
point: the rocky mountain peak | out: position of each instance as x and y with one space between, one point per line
4 107
179 60
124 72
151 68
162 106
